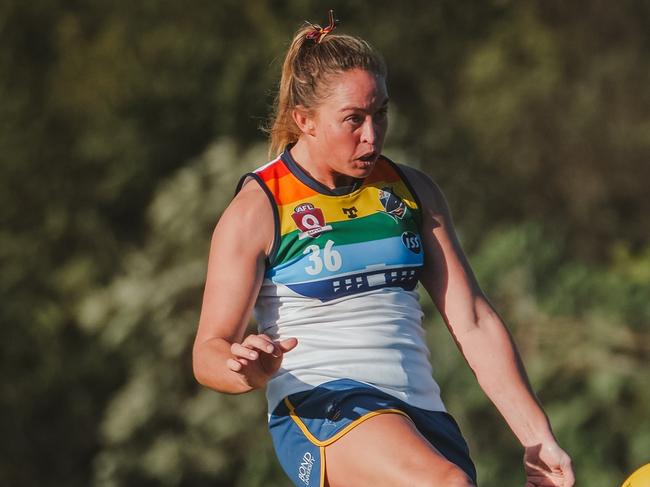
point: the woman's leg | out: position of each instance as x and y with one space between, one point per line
388 451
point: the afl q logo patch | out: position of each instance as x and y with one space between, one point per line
412 242
309 220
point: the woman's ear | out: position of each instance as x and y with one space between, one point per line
303 119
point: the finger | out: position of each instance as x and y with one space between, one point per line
535 481
288 344
239 351
540 479
567 471
569 477
260 342
560 475
233 365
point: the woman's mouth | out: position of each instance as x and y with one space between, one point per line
368 159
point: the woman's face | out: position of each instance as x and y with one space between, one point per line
349 126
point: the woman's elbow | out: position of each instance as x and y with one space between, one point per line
199 368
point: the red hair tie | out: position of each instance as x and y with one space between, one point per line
319 32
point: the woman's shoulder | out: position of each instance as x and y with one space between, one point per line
425 188
250 202
247 220
406 170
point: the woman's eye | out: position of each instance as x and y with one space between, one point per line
354 119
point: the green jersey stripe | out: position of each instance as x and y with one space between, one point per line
377 226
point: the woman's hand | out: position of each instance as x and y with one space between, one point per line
547 465
257 358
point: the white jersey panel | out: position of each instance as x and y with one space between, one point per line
375 337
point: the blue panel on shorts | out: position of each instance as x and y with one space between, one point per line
327 412
299 457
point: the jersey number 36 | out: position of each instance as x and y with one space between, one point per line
329 258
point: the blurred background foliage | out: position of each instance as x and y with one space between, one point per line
124 127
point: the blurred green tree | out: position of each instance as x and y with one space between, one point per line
161 428
532 116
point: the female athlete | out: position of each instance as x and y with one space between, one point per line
327 243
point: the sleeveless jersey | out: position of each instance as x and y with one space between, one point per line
340 278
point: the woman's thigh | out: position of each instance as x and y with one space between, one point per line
387 450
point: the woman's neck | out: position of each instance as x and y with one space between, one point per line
317 167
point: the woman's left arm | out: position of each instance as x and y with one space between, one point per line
484 340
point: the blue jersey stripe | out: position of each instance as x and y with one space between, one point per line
361 257
356 283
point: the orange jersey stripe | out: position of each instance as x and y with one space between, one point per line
273 170
278 176
292 190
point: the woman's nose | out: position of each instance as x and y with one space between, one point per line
369 132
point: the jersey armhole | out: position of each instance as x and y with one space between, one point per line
409 186
276 215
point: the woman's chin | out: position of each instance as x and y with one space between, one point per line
363 168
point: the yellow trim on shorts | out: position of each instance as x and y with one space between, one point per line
356 422
322 466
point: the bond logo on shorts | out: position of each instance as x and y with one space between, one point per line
412 242
304 469
309 220
392 204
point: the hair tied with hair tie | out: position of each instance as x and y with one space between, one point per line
319 33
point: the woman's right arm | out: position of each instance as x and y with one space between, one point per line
222 358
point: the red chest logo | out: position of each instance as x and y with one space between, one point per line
309 220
